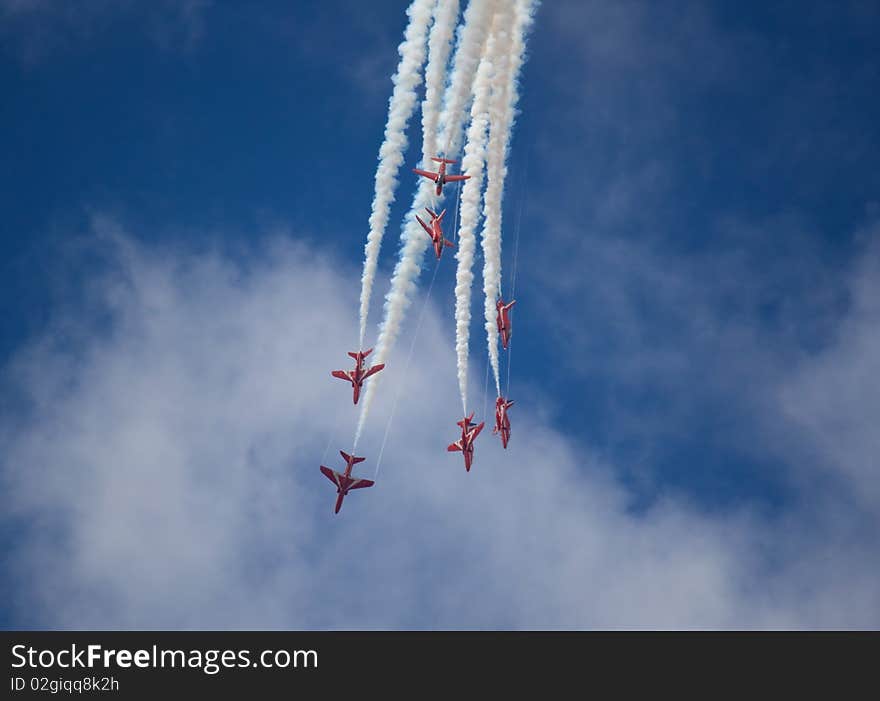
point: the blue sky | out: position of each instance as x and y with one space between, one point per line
185 200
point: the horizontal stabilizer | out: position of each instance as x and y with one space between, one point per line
350 458
466 421
442 160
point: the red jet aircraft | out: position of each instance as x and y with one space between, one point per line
345 482
469 432
441 178
503 320
435 231
502 420
358 375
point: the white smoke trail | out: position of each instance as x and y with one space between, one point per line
471 38
471 41
505 95
439 46
472 164
400 110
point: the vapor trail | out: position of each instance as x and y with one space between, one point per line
471 38
505 95
472 164
400 110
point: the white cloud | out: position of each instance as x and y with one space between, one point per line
835 394
167 472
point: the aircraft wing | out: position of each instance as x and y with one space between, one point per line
425 227
373 370
341 374
456 178
426 174
476 430
360 484
454 447
331 475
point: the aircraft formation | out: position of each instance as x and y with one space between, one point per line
482 76
359 374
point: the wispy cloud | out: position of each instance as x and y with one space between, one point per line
35 30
